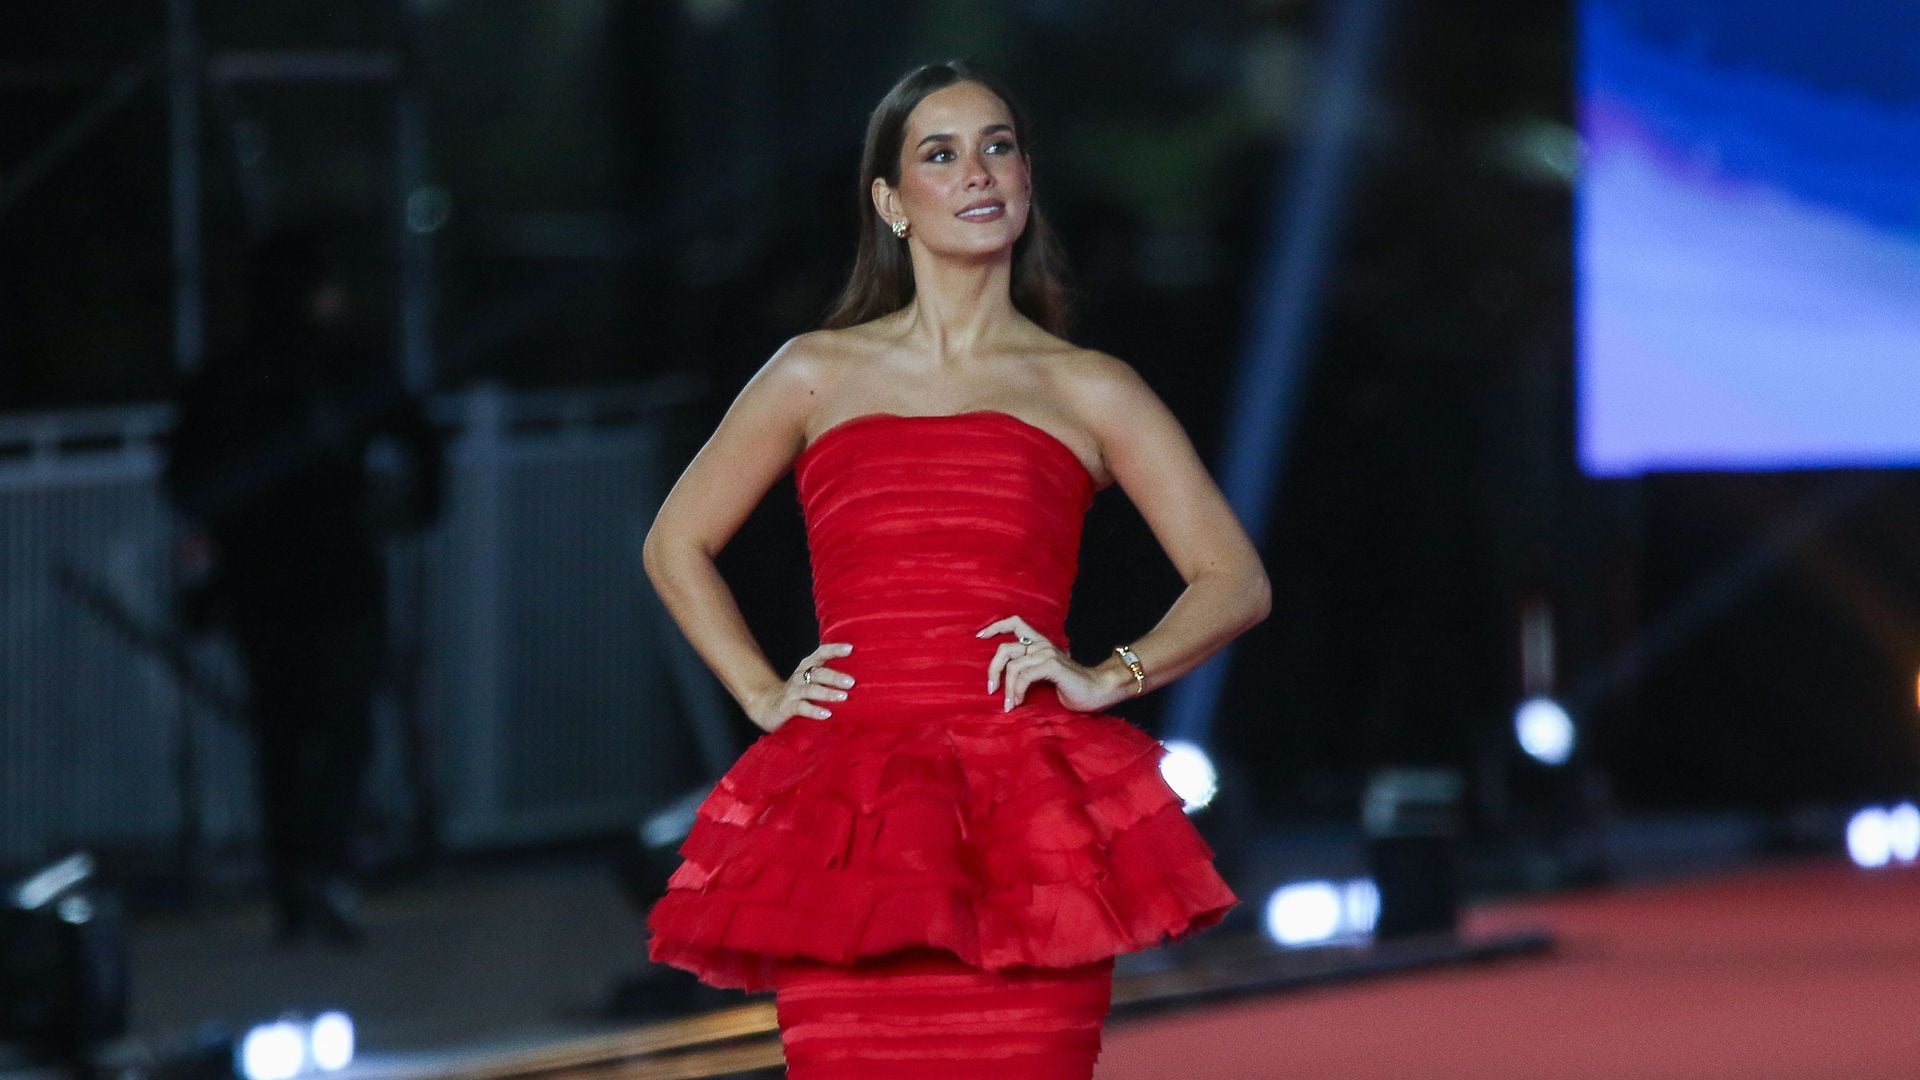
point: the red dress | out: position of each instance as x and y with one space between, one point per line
921 823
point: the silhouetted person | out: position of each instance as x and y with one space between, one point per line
294 454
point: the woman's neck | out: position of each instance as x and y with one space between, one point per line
959 310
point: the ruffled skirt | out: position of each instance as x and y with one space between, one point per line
1042 838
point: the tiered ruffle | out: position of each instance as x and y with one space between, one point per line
1042 838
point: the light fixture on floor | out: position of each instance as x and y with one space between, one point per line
1190 773
292 1046
275 1051
1879 836
62 960
330 1041
1305 913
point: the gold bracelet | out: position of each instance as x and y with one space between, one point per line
1127 657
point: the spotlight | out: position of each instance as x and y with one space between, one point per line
276 1051
1304 913
54 881
330 1042
1190 773
1903 832
1360 906
1544 730
1318 912
292 1047
1870 838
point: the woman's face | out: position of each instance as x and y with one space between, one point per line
964 182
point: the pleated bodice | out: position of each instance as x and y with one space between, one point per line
922 530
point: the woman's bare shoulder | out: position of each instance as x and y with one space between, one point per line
812 362
815 368
1094 383
826 352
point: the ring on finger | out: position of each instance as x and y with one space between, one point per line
807 676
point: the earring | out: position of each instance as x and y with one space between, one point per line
900 229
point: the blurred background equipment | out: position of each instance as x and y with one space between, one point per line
63 960
1880 836
295 1046
1413 827
1310 913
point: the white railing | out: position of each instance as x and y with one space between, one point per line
545 709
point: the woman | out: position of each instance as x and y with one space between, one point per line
938 848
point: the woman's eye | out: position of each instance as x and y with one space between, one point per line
1002 145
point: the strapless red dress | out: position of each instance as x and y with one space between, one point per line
921 819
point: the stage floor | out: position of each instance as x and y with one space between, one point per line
1802 970
522 951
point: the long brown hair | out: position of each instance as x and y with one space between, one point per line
882 278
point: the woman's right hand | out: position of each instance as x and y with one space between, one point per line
798 695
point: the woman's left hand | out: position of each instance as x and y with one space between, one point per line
1032 658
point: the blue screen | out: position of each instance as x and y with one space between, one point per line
1748 235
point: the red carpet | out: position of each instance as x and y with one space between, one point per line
1806 972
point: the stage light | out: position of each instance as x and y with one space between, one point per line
276 1051
330 1041
1190 773
1545 730
1903 832
1317 912
61 877
1870 838
1304 913
1361 906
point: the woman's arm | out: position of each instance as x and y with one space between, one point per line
758 438
1155 463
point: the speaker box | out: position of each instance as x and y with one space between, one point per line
1411 818
63 969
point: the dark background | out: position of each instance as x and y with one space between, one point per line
635 189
